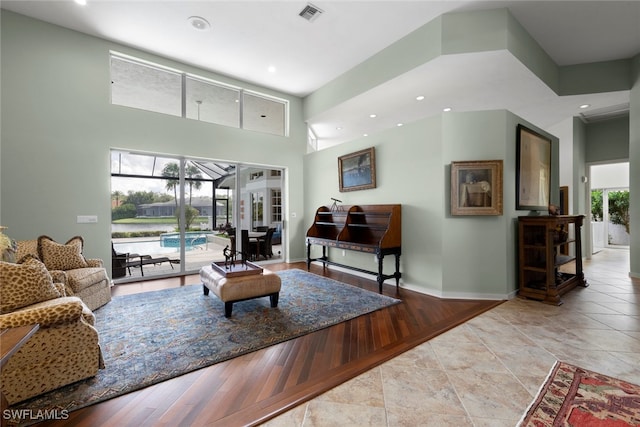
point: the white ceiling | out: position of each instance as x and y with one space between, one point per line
246 37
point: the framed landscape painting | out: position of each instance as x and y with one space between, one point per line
533 170
476 187
357 171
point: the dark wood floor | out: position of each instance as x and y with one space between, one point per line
253 388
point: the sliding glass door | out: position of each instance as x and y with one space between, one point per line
174 215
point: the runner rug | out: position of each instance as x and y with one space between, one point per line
151 337
573 396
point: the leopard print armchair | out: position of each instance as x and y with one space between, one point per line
65 349
83 277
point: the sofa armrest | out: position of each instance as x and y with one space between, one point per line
48 313
94 263
58 276
61 289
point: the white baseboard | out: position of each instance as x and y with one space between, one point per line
430 292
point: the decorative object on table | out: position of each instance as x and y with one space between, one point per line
554 210
8 246
476 187
236 268
335 207
533 170
572 396
357 171
229 257
169 340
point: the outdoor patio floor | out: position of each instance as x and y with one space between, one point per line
196 257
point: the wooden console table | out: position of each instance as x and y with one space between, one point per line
375 229
540 239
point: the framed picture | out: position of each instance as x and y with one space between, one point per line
533 170
357 171
476 187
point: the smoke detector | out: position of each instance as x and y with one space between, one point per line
310 12
199 23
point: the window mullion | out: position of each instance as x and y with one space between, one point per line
184 95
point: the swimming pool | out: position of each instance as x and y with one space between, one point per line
146 247
191 239
166 244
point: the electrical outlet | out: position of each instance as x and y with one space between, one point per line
344 253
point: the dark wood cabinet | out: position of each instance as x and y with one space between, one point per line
375 229
545 273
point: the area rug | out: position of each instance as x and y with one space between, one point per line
572 396
154 336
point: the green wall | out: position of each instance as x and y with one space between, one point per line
454 257
607 140
58 127
634 169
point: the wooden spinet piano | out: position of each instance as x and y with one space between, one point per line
375 229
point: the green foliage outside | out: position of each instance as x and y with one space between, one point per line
128 210
130 234
126 206
190 214
618 207
596 205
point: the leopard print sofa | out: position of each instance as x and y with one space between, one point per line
65 348
83 277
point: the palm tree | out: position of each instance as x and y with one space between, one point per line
171 171
192 173
116 196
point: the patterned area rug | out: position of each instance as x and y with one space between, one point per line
154 336
572 396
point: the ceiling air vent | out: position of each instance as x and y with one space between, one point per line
310 12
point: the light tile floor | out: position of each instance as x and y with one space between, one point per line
487 371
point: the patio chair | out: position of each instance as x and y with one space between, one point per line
264 244
139 261
118 263
249 247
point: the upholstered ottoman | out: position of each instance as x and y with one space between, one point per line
241 288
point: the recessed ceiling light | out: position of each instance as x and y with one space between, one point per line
583 106
199 23
420 98
446 109
272 69
81 2
365 134
373 116
338 128
400 124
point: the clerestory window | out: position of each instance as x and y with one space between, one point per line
147 86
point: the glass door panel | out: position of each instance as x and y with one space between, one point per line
143 216
260 211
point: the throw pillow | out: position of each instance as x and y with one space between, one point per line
24 284
26 248
57 256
